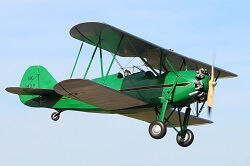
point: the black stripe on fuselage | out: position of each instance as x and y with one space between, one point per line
153 87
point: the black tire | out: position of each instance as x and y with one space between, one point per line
157 129
55 116
188 140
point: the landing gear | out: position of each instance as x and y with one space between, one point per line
157 129
55 116
185 138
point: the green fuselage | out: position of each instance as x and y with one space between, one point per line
151 89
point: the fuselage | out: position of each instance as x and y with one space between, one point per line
142 85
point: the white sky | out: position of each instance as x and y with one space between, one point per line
37 33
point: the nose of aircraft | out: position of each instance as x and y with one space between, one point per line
201 84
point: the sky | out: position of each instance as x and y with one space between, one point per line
37 33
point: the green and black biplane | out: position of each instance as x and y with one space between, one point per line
157 95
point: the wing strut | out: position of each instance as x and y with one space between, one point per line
161 65
114 57
90 62
101 62
76 61
185 64
170 65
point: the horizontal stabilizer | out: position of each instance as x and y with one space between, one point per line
30 91
96 94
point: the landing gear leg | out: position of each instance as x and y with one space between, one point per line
158 129
185 137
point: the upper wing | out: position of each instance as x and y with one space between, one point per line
148 115
132 46
96 94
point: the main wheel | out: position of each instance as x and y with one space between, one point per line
186 140
55 116
157 130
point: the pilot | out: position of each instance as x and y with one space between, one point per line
127 73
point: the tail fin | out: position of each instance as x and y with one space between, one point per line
36 77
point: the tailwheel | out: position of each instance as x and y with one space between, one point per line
55 116
157 129
185 138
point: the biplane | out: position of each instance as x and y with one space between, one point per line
156 95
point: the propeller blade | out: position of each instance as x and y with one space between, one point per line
211 85
210 94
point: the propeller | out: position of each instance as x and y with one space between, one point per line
211 84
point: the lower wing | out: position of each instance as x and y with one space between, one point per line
96 94
148 115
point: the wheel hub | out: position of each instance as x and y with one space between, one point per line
184 138
156 129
